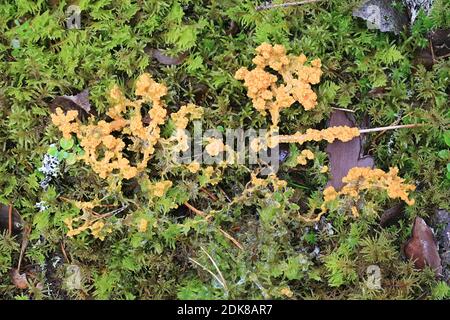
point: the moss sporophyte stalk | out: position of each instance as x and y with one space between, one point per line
123 145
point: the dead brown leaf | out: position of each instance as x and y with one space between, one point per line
19 279
439 48
392 215
344 155
233 29
79 102
422 248
165 59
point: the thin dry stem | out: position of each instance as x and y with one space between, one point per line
294 138
64 252
209 271
209 194
10 219
226 234
24 245
401 126
266 6
217 268
195 210
343 109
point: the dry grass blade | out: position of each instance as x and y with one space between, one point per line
209 271
217 268
268 5
226 234
402 126
10 219
343 109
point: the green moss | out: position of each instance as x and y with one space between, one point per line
112 47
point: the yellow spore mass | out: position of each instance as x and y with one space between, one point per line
341 133
214 147
186 113
289 82
102 150
263 87
161 187
143 224
65 122
304 156
359 179
181 119
193 167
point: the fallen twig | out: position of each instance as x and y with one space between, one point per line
401 126
99 205
316 219
24 245
114 212
396 122
433 57
209 194
195 210
343 109
64 252
10 219
268 5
